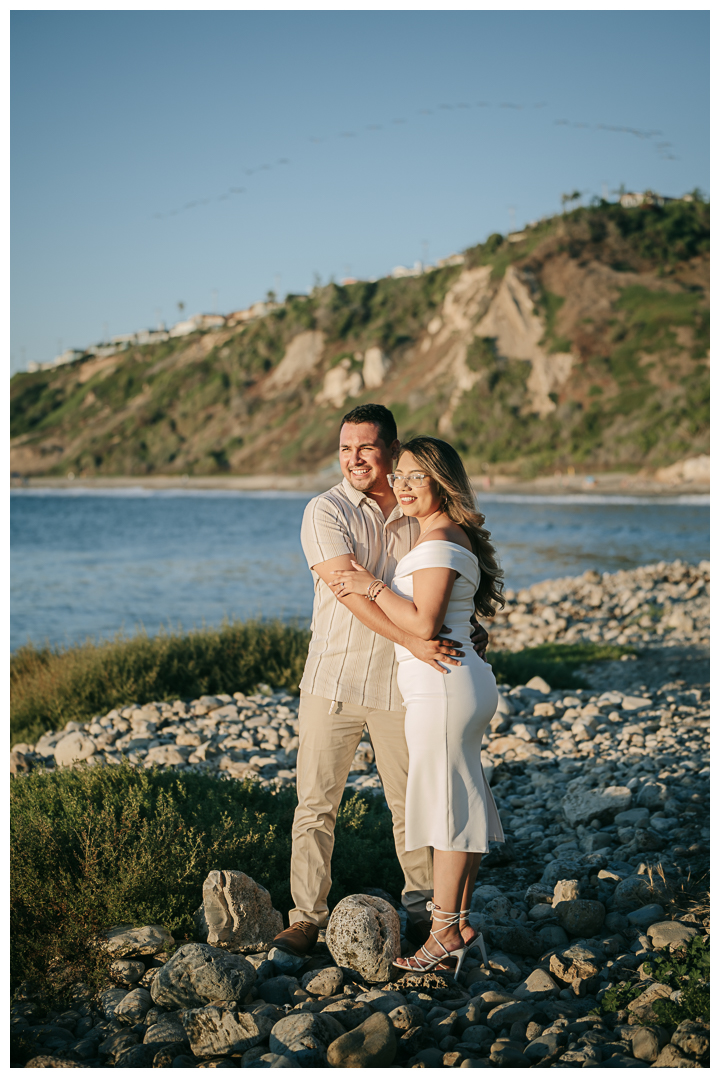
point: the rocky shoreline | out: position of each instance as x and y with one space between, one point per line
604 797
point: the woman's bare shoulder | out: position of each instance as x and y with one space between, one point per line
451 532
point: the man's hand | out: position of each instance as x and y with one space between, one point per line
440 648
479 638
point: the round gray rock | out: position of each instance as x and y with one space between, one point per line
75 746
167 1030
406 1017
304 1038
537 986
200 974
551 937
323 983
636 890
645 916
370 1046
581 918
565 868
350 1013
364 934
109 1001
507 1014
214 1030
133 1007
670 933
128 940
581 806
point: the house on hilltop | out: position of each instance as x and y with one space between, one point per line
196 322
630 199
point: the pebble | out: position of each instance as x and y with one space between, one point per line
370 1045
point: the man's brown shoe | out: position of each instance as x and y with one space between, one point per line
298 939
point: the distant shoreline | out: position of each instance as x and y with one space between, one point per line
616 483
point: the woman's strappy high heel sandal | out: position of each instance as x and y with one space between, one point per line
476 939
428 961
466 924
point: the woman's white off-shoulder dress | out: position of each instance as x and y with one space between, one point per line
449 804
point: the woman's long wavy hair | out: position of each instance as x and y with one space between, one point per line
442 462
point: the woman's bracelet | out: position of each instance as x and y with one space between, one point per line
374 589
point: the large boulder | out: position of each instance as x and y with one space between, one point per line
75 746
537 986
198 975
323 983
110 999
220 1030
364 934
133 1007
304 1038
577 962
370 1046
581 806
237 913
128 940
670 932
166 1031
564 869
636 890
653 795
510 1013
641 1009
581 918
348 1012
279 990
693 1039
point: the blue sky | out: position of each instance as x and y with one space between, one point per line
122 119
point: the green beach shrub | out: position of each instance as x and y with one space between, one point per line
686 969
91 848
556 663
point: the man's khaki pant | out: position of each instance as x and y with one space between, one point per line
328 741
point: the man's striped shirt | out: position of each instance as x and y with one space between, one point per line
347 661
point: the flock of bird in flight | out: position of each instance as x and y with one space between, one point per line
664 148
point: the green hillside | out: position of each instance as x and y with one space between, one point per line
583 342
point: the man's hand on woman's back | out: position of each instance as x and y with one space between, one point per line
479 638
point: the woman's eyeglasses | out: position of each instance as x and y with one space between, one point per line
413 480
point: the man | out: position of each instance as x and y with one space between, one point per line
349 679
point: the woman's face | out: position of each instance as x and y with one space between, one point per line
415 501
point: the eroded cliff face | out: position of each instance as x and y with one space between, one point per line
552 357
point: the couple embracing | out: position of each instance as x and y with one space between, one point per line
397 551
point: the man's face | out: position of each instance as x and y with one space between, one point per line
365 460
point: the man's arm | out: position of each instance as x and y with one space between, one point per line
371 616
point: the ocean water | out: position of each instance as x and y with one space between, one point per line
87 564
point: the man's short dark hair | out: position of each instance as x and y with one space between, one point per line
374 414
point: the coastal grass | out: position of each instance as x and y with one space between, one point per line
52 686
555 662
91 848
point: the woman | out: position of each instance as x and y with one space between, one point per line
450 573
